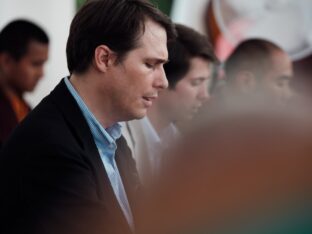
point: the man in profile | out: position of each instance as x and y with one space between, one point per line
258 65
189 71
23 53
66 168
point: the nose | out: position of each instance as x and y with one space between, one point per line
161 81
288 93
203 94
40 72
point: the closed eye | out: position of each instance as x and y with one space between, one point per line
283 80
197 82
148 65
153 63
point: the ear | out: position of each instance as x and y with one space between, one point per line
6 63
104 58
246 80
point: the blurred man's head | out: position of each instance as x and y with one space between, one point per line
257 64
23 52
242 157
119 26
302 82
120 48
189 71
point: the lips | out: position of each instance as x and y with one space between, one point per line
148 100
196 108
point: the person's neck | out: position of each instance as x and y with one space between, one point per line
15 91
158 118
8 88
2 79
92 94
11 91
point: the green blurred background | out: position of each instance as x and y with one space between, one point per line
163 5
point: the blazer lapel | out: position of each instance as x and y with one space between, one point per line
75 119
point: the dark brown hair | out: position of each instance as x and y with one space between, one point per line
16 36
253 55
188 44
117 24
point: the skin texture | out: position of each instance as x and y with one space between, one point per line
120 91
274 80
190 92
23 75
277 79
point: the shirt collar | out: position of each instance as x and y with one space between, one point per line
149 132
110 134
166 136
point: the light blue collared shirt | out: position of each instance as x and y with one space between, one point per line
157 143
105 140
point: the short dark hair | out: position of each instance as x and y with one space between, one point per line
253 55
188 44
16 36
117 24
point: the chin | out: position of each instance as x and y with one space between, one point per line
141 116
29 89
138 114
189 116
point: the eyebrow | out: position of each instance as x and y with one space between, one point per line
158 61
201 78
284 77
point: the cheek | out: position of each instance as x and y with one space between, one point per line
275 87
187 94
269 85
128 92
28 73
138 80
181 103
20 75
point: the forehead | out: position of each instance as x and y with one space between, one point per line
281 64
153 42
37 49
199 67
200 63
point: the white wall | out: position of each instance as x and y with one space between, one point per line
190 13
54 16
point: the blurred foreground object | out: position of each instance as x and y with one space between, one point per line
244 169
